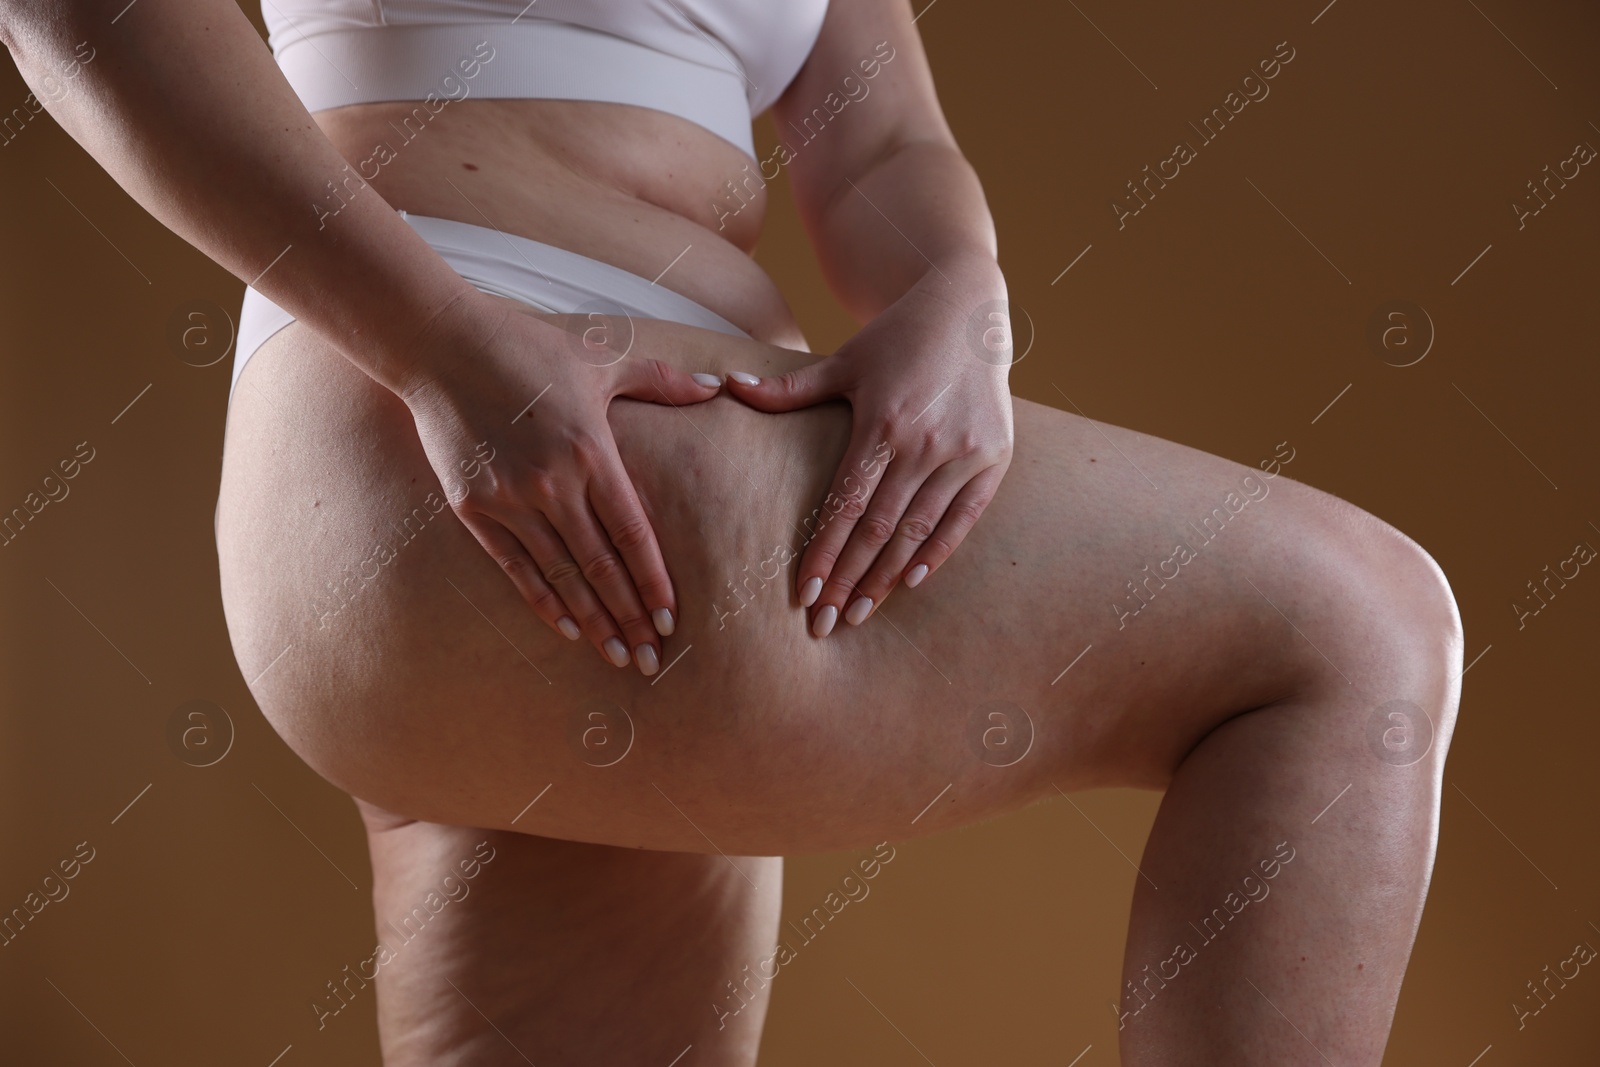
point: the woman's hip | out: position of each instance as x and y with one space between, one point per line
394 656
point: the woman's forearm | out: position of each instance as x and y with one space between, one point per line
920 209
183 106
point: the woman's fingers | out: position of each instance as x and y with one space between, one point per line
875 528
662 383
799 388
957 521
506 550
860 472
619 623
616 504
911 526
571 551
915 529
577 565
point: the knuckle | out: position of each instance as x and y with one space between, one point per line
562 571
837 591
940 548
876 530
604 568
655 590
966 512
851 508
516 565
543 484
584 446
630 534
821 558
652 375
595 621
916 529
876 585
636 627
545 602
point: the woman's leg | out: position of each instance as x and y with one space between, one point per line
557 952
1284 877
1145 614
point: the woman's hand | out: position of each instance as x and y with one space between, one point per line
931 437
511 411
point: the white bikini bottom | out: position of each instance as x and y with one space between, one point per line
542 276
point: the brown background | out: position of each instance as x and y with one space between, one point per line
1395 142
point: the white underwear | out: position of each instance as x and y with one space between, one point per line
542 276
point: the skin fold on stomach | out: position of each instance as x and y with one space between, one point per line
626 185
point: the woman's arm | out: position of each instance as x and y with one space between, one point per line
885 162
183 105
903 234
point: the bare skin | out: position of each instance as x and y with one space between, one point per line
1251 686
1245 688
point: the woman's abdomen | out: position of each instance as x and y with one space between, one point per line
637 188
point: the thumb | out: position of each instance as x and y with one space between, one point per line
662 383
799 388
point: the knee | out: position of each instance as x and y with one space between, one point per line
1434 661
1397 622
1433 621
1408 584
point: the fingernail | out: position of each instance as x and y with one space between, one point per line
744 379
859 611
663 620
568 628
810 591
710 380
616 651
822 625
919 572
646 657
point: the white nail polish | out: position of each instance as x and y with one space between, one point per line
707 379
663 621
744 379
810 591
858 611
616 651
822 625
645 656
568 628
919 572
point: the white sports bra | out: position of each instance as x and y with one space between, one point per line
717 63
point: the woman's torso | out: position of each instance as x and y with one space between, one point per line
630 185
751 712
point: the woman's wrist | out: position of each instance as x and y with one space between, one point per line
400 312
969 276
418 355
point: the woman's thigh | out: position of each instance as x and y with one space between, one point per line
497 947
1121 596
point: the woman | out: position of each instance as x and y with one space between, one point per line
1127 611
